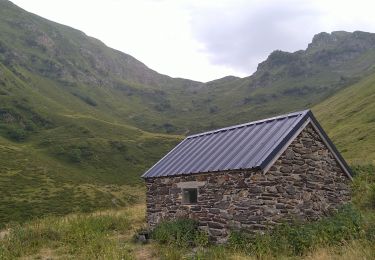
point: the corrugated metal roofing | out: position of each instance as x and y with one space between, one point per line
246 146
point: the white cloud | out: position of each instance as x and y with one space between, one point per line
242 35
204 40
158 33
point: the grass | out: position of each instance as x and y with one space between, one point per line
349 118
286 241
298 238
348 234
39 179
58 161
180 233
104 235
109 234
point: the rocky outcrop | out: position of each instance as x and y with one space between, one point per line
305 183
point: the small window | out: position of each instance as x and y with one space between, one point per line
190 196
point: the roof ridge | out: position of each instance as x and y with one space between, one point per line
302 112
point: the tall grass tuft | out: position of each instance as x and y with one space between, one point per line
83 236
180 232
364 187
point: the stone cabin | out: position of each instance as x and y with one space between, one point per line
250 176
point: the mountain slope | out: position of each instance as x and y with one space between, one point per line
349 118
292 81
104 81
98 79
57 159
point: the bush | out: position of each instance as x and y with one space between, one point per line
75 155
88 100
17 134
180 232
169 128
366 169
299 238
364 186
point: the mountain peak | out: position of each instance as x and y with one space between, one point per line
358 40
323 39
223 80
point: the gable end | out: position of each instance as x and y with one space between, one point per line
309 121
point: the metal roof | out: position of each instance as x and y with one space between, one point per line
246 146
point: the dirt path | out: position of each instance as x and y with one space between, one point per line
145 252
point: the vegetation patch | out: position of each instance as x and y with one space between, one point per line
298 239
82 236
349 232
180 232
364 186
85 98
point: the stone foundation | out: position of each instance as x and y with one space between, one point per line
304 183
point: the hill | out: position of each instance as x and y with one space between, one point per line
63 145
58 159
349 118
287 82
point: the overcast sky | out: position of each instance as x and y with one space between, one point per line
205 40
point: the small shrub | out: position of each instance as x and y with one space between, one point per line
169 128
239 240
213 109
118 145
163 106
364 186
17 134
75 155
88 100
201 238
180 232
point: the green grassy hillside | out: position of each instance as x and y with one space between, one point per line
66 144
58 159
349 118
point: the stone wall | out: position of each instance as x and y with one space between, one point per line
304 183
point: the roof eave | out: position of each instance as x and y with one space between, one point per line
144 176
257 168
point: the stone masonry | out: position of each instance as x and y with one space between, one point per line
304 183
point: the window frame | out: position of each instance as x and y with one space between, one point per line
189 201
